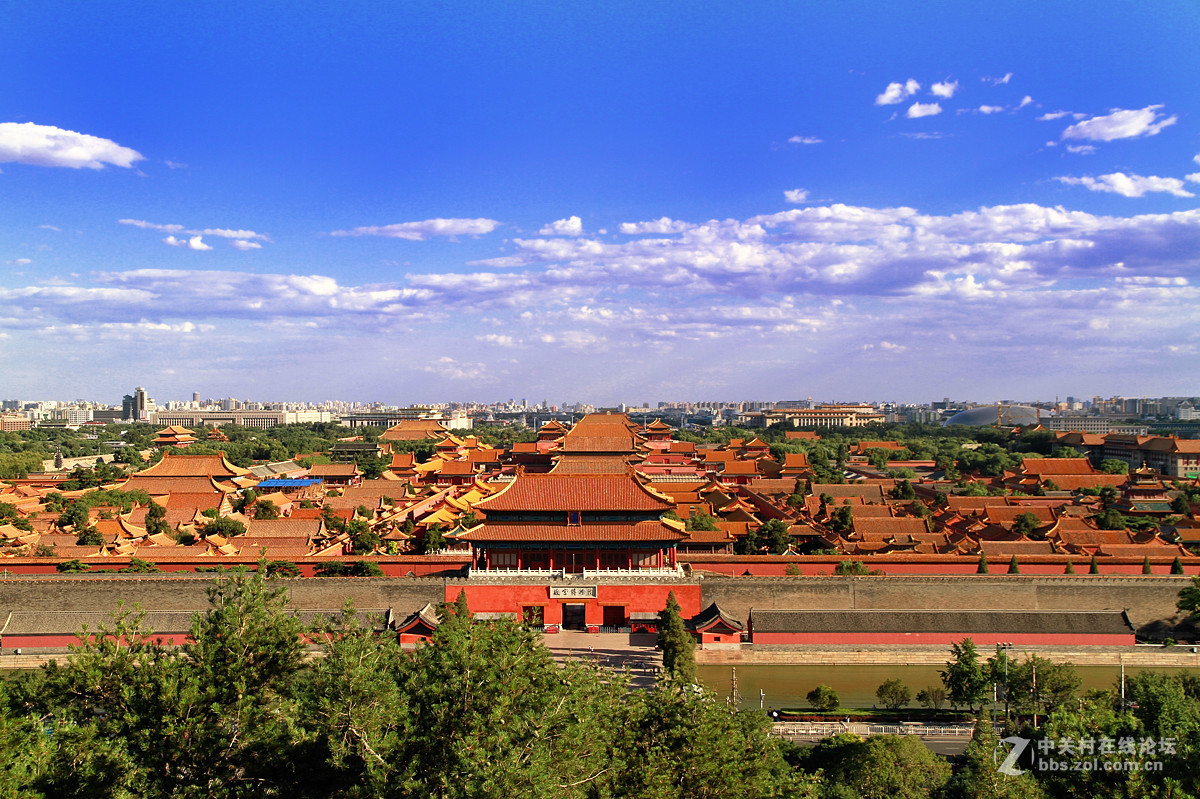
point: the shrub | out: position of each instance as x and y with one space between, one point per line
823 698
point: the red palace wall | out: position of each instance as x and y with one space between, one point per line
943 639
632 598
64 640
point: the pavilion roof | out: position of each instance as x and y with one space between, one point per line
174 465
574 492
606 532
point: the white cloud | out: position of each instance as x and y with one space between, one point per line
239 239
945 89
998 81
144 225
1194 177
796 195
193 243
571 226
918 110
19 262
990 109
175 165
1082 149
50 227
425 229
663 225
1121 124
1053 115
1026 100
1130 185
498 340
898 92
46 145
804 140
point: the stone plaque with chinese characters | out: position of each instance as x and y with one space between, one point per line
573 591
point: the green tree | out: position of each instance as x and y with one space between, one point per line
978 777
1189 598
841 520
1070 569
964 677
702 521
1146 568
851 568
823 698
1177 566
1025 524
156 519
1014 567
1114 466
893 694
677 644
225 527
266 509
880 767
933 696
983 564
1094 566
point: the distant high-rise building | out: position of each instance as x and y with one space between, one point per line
195 396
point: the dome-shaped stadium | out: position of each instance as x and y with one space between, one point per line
1008 415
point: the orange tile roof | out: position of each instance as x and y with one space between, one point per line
641 531
1049 467
567 492
173 465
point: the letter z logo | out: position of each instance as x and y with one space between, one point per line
1009 766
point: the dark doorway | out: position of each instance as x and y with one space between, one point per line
614 616
574 617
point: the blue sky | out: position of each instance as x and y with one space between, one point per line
600 201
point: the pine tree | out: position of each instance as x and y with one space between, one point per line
983 564
1070 567
1146 566
677 644
1013 566
1177 566
1094 568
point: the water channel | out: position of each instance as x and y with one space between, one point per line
786 686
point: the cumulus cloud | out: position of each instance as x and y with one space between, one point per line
425 229
945 89
918 110
887 277
898 92
662 225
571 226
192 243
1129 185
46 145
239 239
804 140
1121 124
796 196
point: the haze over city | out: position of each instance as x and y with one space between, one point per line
600 203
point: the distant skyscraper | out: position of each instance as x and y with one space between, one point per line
195 396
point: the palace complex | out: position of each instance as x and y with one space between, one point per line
593 525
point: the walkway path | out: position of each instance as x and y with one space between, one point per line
618 651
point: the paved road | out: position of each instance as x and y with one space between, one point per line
618 651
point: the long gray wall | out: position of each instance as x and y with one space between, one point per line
189 593
1148 600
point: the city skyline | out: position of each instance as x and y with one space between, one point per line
594 204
